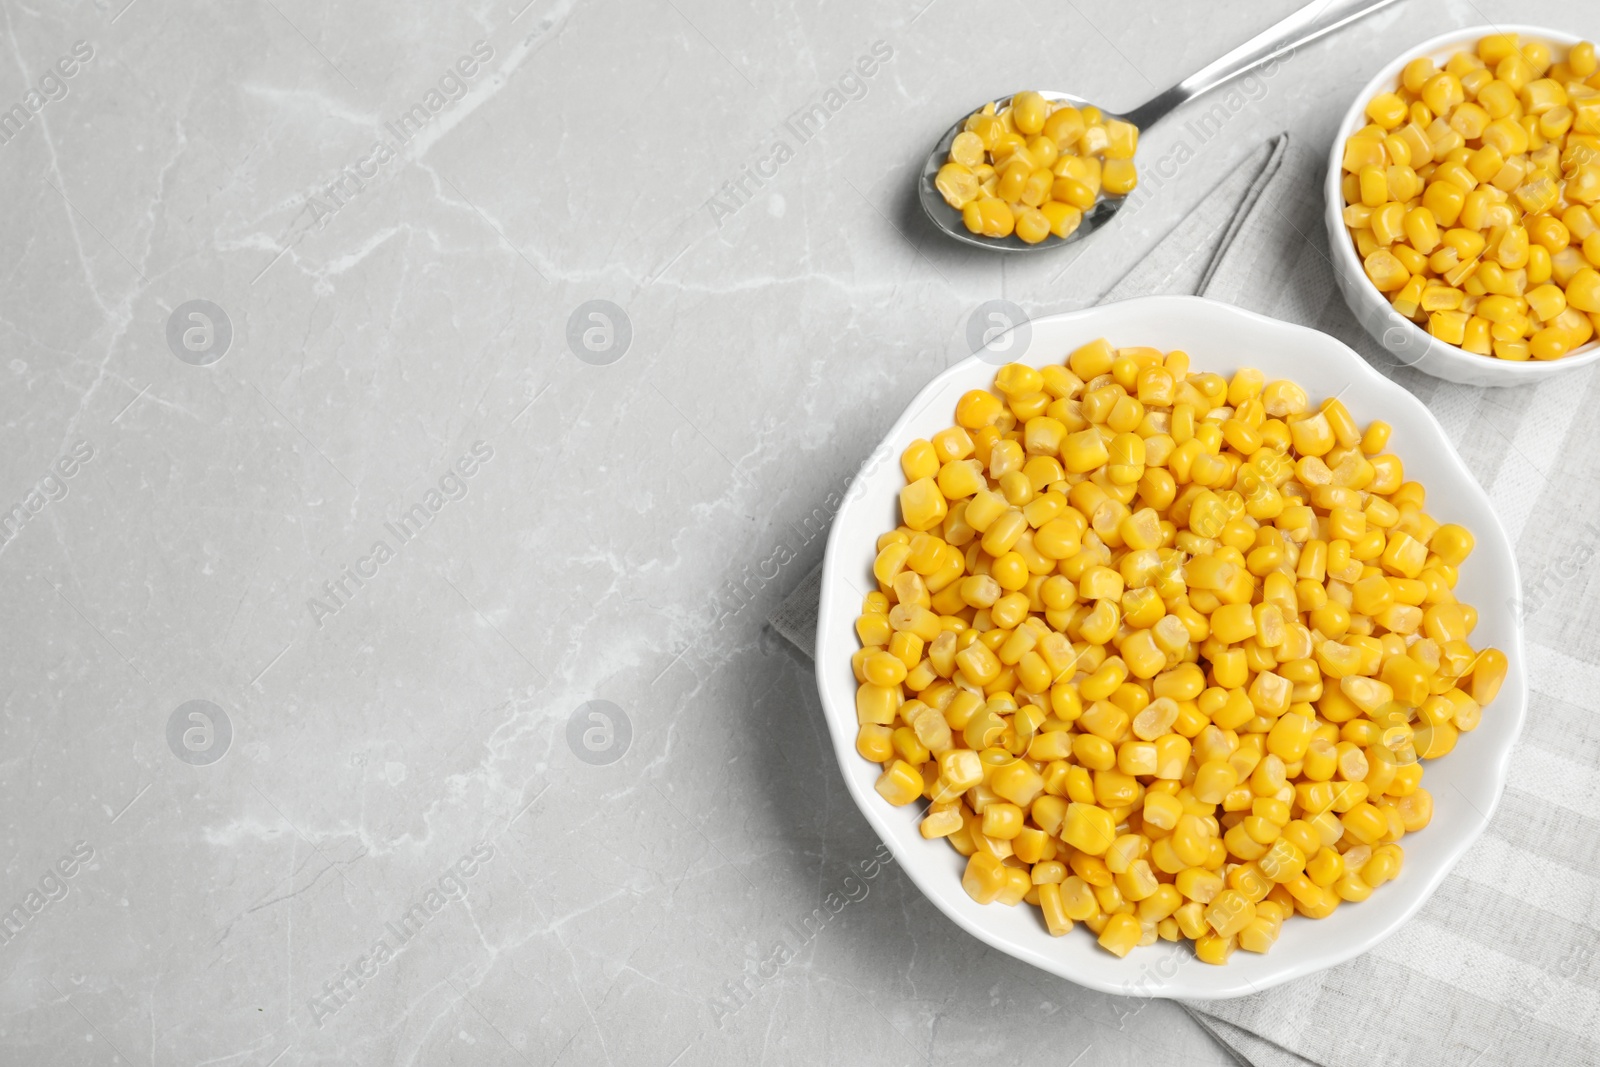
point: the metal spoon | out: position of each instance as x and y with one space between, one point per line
1306 25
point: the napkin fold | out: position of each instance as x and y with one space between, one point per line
1502 966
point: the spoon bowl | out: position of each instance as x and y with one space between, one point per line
948 218
1305 25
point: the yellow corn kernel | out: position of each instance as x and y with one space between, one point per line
1001 820
1259 936
1374 186
877 704
1088 828
960 769
922 506
1229 912
1161 810
883 669
1416 810
1049 872
1137 882
942 820
1064 125
1119 177
1362 152
1120 934
957 184
1404 556
990 216
1442 93
1213 780
1214 949
1198 884
1581 59
1172 755
1191 840
1283 861
1313 435
874 629
1387 110
1056 919
1365 823
985 877
978 408
873 742
1445 201
1385 271
1384 865
1488 673
900 784
1431 742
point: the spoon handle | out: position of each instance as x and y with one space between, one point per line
1305 25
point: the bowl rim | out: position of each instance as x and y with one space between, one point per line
1512 700
1339 236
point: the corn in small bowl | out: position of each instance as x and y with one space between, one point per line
1439 345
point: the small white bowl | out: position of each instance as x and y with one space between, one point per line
1466 784
1409 343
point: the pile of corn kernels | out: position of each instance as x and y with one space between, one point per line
1035 166
1473 197
1162 651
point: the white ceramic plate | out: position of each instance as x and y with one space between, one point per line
1410 343
1466 784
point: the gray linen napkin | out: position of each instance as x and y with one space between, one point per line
1503 964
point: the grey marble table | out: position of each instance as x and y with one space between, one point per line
410 415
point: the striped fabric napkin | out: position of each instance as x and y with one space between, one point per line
1502 966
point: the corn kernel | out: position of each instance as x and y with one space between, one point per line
900 784
1120 934
985 877
1229 912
